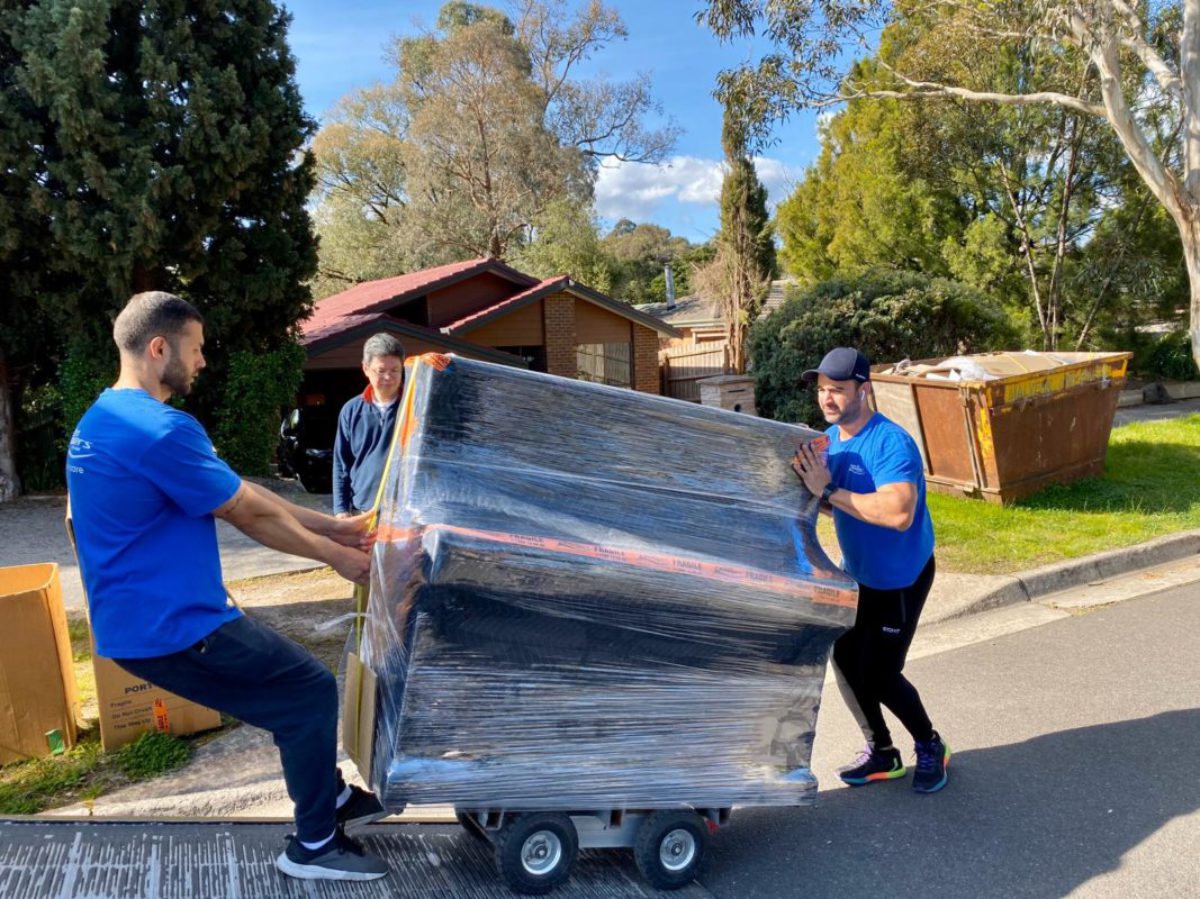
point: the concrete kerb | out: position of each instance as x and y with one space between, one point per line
1038 582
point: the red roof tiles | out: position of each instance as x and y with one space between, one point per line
330 313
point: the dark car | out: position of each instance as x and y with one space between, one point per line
306 446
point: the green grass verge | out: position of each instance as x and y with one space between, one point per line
85 771
1151 487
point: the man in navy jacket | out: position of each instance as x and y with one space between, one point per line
365 427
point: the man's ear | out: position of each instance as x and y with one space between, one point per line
157 347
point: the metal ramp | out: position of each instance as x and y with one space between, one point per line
90 859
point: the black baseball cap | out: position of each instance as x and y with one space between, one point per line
841 364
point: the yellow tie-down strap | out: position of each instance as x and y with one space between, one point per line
358 721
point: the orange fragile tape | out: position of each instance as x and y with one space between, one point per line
729 574
408 422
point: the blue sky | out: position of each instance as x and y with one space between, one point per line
340 47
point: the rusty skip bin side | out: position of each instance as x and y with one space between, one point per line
1008 438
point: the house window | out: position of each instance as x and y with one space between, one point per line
605 363
534 356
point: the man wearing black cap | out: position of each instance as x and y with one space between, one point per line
874 485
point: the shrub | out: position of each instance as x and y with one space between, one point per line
257 387
1168 357
83 375
889 315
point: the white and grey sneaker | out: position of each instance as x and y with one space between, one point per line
339 859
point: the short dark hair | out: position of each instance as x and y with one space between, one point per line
154 313
382 344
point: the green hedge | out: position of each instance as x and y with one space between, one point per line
257 387
887 314
1167 358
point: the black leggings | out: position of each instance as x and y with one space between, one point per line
869 660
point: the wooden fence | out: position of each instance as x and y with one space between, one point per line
605 363
684 367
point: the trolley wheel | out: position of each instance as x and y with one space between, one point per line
535 852
471 826
669 847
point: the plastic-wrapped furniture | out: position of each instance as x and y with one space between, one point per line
596 618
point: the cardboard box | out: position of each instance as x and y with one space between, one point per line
358 715
37 676
130 706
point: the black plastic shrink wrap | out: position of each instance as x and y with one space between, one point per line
585 597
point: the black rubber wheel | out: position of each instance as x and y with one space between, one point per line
471 826
669 847
535 852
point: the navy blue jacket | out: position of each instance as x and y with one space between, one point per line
360 450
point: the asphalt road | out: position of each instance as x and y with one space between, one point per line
1073 775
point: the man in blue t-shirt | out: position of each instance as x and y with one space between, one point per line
145 488
873 484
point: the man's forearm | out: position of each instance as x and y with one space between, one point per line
310 519
264 517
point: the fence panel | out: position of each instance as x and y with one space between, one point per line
605 363
684 367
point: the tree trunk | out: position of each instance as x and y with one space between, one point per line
10 483
1191 257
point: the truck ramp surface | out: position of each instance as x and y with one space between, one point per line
56 859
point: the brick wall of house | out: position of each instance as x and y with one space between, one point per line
559 312
645 360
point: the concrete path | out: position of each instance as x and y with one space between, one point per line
1146 412
32 531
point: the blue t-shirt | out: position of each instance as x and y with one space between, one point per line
881 453
143 479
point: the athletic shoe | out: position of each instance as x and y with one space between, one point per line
932 759
873 765
361 808
339 859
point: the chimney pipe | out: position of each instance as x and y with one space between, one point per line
670 288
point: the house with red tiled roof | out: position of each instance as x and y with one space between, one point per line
483 309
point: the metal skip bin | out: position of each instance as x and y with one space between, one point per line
1002 426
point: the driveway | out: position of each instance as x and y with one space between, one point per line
32 531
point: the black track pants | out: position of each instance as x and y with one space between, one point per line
869 660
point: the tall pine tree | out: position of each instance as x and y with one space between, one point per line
149 144
741 273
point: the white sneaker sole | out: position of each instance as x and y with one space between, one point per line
316 872
364 820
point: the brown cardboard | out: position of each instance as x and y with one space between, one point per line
130 706
37 677
358 715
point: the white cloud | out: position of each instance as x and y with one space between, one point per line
636 191
778 177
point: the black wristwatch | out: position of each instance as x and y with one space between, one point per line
830 490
